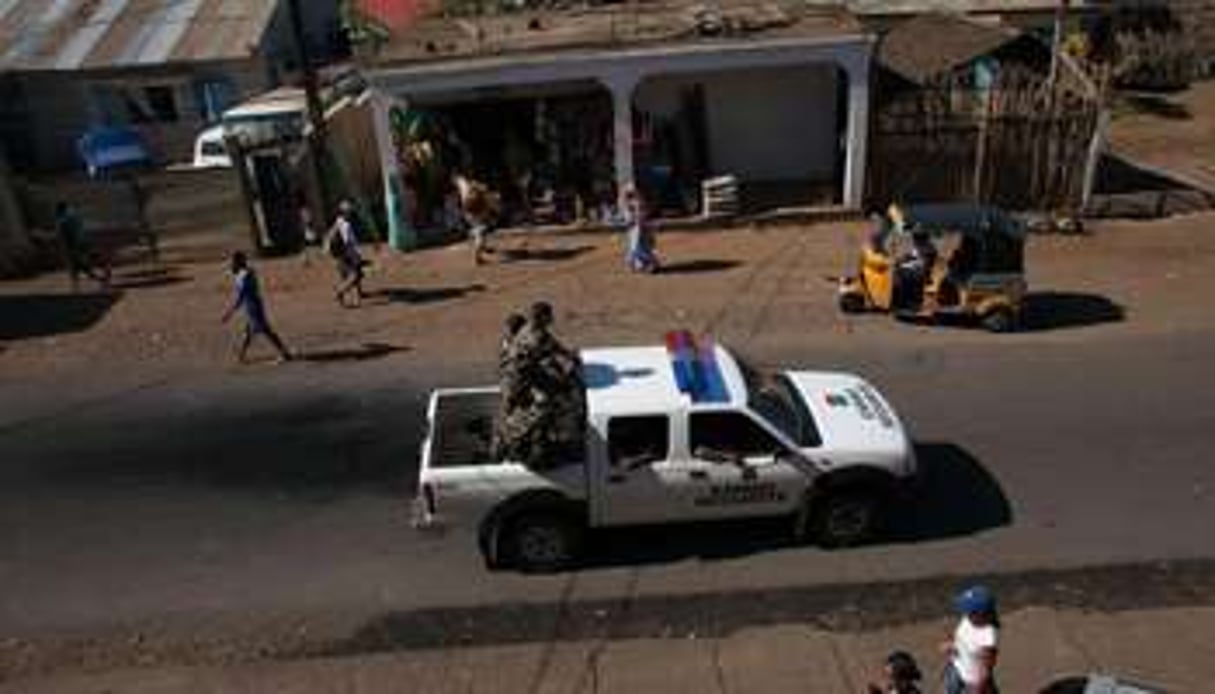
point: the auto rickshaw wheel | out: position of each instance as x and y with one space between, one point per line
851 302
999 320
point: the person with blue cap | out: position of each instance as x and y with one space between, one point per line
971 664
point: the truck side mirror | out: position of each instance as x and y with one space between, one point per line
638 461
641 461
715 456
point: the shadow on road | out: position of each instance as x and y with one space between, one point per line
364 352
542 254
40 315
692 267
1158 105
954 496
427 295
850 606
147 278
1058 310
1124 188
314 449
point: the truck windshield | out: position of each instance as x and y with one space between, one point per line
775 399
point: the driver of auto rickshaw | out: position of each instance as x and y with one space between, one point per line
914 270
958 269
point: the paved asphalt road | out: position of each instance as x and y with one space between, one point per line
282 490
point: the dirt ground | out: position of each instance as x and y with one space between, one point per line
1173 132
745 286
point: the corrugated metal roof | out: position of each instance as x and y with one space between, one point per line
897 7
75 34
443 38
931 44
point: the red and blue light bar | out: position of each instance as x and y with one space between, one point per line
697 373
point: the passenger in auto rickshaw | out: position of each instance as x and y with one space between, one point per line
913 271
958 269
879 234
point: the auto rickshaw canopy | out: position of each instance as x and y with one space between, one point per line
992 241
943 219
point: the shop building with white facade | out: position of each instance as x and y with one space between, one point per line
664 97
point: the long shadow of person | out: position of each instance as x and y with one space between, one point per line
364 352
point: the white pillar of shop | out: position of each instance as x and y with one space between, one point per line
855 66
621 85
400 236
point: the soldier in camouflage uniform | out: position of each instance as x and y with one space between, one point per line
543 401
514 395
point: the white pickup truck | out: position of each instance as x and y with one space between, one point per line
674 433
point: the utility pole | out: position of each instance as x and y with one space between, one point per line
1056 46
318 143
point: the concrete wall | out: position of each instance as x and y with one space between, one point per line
15 249
45 113
178 202
766 124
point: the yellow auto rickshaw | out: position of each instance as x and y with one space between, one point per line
954 260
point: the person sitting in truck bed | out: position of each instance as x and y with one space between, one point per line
544 408
512 394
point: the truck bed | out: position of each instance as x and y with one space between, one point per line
463 428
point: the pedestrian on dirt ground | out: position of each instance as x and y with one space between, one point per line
640 255
971 653
249 298
78 254
900 675
342 242
308 230
478 205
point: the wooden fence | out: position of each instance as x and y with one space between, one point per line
1022 144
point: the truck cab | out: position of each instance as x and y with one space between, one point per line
674 433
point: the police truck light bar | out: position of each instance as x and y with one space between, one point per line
697 373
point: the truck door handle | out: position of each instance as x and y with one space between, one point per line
698 474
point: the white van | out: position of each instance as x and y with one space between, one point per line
209 149
274 116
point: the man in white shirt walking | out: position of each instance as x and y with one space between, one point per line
343 244
972 651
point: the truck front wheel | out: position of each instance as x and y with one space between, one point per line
541 542
847 518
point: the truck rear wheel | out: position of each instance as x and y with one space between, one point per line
847 518
541 542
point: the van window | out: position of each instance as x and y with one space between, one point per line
637 441
730 433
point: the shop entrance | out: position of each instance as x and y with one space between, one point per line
779 132
546 150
